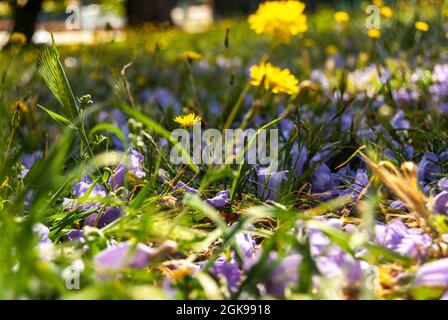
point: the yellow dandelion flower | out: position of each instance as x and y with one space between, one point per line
363 57
309 43
374 33
279 19
378 3
273 78
20 106
422 26
386 12
192 55
17 38
331 50
187 121
341 17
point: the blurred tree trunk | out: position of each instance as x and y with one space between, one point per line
26 16
142 11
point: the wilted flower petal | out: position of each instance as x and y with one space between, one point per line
441 202
101 219
127 255
228 269
433 274
221 199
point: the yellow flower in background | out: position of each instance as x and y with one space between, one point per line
374 33
422 26
279 19
273 78
192 55
386 12
20 106
363 57
49 6
17 38
308 43
187 121
378 3
331 50
341 17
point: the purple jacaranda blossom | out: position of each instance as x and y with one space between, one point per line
28 161
369 133
322 179
161 97
440 73
42 233
319 77
399 122
258 121
117 179
443 184
441 202
318 240
433 274
245 242
134 165
181 186
269 183
337 263
402 148
385 75
44 244
118 118
346 120
330 259
405 96
443 106
75 235
361 181
429 166
286 128
406 241
397 204
362 80
121 121
221 199
215 107
299 157
101 219
227 63
81 189
440 79
286 273
229 269
127 255
248 99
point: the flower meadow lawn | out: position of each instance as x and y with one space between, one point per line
92 207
